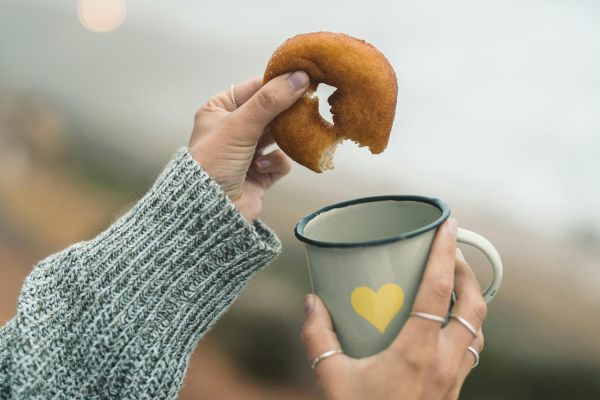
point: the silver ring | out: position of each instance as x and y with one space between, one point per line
476 354
324 356
235 106
430 317
465 323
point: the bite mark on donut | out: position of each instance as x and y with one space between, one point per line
326 161
325 95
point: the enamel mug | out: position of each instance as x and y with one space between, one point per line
366 258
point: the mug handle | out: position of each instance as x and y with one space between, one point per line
476 240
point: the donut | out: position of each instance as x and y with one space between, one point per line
363 106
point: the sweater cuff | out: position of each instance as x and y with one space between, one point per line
186 213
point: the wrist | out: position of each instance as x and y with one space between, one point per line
246 207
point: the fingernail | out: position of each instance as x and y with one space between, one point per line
299 80
452 226
263 163
459 254
309 303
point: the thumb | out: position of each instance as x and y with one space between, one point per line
273 98
318 335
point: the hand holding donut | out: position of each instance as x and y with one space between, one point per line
425 361
230 143
229 140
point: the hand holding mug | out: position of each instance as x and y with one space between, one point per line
366 259
426 360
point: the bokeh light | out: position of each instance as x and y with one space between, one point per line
101 15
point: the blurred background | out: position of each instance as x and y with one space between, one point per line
498 115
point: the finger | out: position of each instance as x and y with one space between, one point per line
274 97
265 141
319 337
276 162
469 305
435 290
240 92
244 90
466 366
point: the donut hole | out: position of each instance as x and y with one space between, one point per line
323 92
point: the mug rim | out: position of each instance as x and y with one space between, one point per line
439 204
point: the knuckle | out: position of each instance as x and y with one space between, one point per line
414 361
308 334
415 358
286 166
198 114
267 99
445 375
479 342
302 337
442 288
479 309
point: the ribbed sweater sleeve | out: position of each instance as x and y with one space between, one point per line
117 317
5 340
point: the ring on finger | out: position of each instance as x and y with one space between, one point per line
465 323
430 317
475 354
323 356
235 106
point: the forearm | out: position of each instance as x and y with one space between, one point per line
118 316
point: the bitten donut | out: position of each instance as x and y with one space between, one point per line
363 106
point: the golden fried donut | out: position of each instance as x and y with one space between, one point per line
363 106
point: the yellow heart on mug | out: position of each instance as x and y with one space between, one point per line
380 308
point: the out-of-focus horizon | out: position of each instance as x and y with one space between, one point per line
497 115
503 95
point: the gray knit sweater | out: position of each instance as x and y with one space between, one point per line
117 317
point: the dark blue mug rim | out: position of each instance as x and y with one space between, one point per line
439 204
